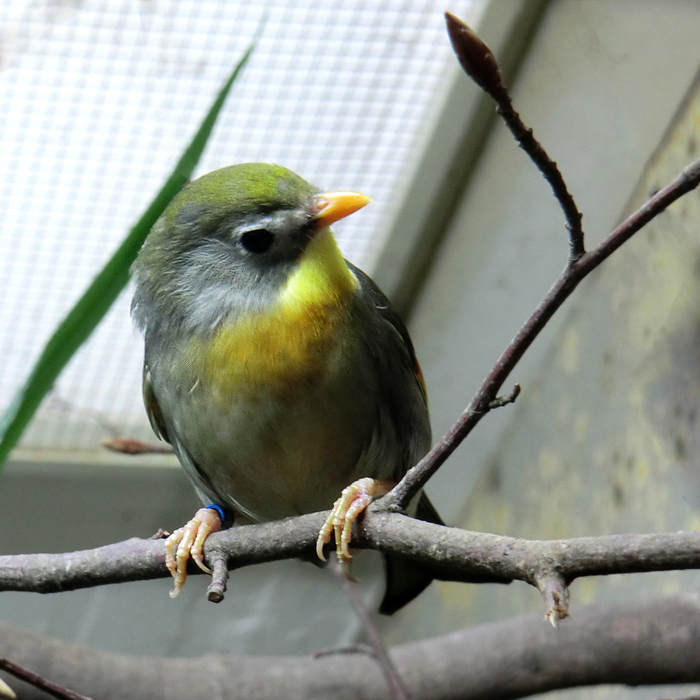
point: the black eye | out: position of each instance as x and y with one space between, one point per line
258 240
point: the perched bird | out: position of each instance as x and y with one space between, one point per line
276 369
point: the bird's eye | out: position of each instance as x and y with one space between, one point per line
258 240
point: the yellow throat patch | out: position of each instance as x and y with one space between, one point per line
292 342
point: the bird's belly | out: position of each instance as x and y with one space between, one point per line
270 458
279 417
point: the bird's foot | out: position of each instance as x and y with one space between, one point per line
353 501
187 542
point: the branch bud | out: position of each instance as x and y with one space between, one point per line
474 56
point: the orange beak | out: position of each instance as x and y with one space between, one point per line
329 207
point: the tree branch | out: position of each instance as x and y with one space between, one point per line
450 554
647 643
480 64
378 649
53 689
416 477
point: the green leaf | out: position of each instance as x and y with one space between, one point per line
89 310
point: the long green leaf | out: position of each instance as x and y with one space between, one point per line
105 288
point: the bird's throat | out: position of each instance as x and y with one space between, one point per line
294 342
321 277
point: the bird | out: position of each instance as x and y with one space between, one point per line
278 371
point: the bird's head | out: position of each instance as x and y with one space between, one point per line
238 241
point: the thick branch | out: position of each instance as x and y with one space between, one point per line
647 643
450 553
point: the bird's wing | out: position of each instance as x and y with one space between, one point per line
404 419
155 415
402 399
202 484
394 322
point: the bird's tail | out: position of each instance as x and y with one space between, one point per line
405 578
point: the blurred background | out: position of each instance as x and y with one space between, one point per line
97 100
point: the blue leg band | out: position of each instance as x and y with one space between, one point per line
226 520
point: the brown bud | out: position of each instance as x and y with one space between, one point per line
474 56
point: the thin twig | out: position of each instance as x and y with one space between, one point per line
380 652
504 400
555 593
480 65
478 61
159 534
132 446
686 181
575 271
219 575
549 169
53 689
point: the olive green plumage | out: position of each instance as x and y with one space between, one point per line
277 370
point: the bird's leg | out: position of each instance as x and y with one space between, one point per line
187 542
353 501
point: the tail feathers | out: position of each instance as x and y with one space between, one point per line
405 578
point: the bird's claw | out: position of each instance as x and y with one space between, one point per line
187 543
352 502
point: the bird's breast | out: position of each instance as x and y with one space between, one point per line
279 411
272 353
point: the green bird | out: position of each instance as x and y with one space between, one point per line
276 369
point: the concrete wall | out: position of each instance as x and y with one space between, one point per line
604 438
